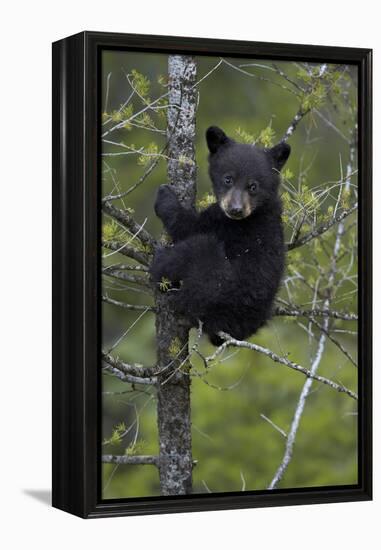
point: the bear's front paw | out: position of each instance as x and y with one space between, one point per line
166 201
164 269
158 267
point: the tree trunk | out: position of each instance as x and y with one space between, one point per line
173 388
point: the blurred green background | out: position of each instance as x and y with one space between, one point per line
233 444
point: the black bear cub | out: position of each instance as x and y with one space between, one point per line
226 262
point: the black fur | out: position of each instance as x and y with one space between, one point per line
226 262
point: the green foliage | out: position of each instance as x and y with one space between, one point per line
314 98
184 160
162 109
266 137
165 284
116 436
127 113
286 200
139 245
165 238
345 198
174 347
206 200
136 448
110 230
287 174
141 83
163 80
304 75
149 153
145 120
318 85
116 116
307 198
246 137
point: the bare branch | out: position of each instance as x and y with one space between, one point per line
282 360
131 459
295 121
128 267
135 369
135 459
132 307
129 379
123 276
295 311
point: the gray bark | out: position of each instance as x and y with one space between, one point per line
173 386
182 126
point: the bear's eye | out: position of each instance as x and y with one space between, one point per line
228 180
252 187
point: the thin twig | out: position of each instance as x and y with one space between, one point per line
277 428
335 342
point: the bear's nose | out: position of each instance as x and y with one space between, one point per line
235 212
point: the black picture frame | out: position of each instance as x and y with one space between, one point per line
76 274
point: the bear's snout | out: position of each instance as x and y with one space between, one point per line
236 204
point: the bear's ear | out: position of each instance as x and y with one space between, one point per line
279 154
215 137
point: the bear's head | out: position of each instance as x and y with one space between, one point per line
245 177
